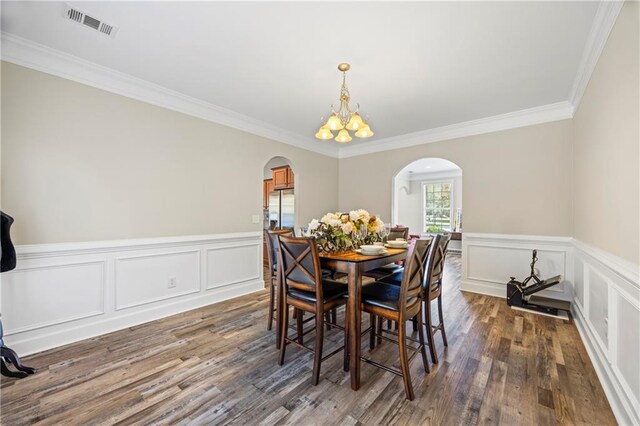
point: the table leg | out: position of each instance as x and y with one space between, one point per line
354 325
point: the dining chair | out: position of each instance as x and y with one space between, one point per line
432 290
307 291
386 270
400 304
271 237
398 232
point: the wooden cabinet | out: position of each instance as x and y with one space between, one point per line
267 187
282 177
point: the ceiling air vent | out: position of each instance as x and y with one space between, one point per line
89 21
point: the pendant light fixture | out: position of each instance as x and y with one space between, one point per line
344 119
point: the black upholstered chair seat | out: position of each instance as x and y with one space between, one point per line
381 295
394 279
384 271
331 290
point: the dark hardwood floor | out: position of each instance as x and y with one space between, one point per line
217 365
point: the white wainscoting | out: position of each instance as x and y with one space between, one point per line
62 293
605 295
606 309
489 260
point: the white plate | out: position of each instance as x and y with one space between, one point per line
359 251
396 246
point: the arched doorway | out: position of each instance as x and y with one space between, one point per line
427 197
279 201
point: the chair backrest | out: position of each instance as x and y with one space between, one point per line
414 274
300 264
398 232
436 263
271 237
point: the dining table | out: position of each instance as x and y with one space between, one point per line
355 265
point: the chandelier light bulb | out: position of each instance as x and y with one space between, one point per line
334 122
343 136
355 122
364 132
324 133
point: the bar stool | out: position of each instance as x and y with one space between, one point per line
271 237
400 304
306 290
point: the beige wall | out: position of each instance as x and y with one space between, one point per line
82 164
514 182
606 141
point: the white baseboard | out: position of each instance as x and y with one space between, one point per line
63 293
490 289
605 297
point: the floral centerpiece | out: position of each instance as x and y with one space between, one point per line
346 231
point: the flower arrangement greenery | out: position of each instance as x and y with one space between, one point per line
346 231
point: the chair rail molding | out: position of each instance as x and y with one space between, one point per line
63 293
604 291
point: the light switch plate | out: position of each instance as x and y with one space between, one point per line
255 218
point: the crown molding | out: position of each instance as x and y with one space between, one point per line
23 52
603 23
26 53
526 117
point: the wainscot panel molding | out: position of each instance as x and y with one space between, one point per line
605 295
606 310
489 260
63 293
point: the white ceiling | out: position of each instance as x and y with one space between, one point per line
415 66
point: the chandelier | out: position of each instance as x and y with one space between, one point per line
344 119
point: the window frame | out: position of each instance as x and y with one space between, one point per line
424 183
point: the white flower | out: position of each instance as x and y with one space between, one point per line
334 222
361 214
313 225
330 217
347 228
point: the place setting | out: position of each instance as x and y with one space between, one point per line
372 249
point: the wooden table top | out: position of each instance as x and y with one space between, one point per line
352 256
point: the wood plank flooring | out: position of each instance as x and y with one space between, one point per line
217 365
